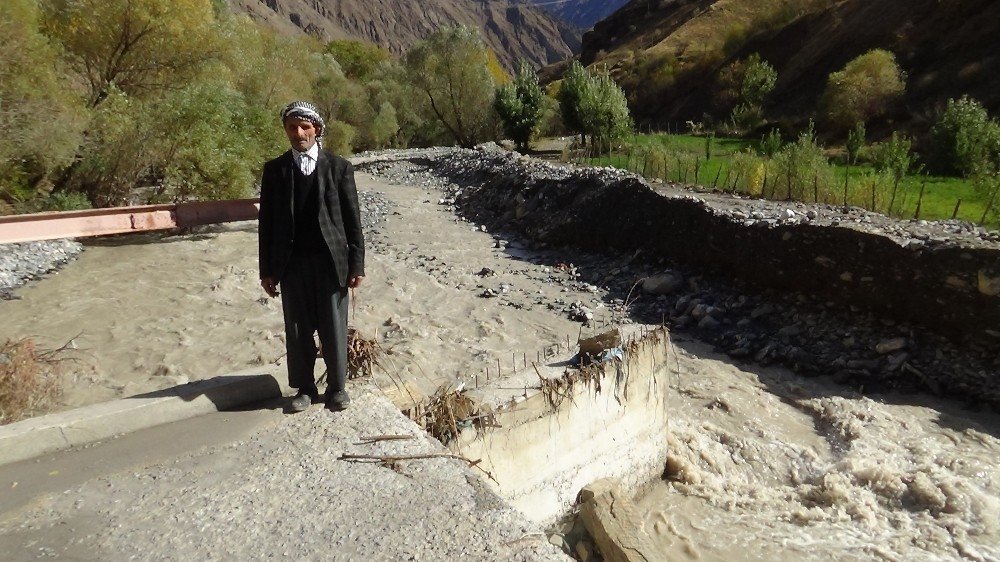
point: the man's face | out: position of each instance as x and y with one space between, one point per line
301 133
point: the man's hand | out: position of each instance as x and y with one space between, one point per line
270 286
354 281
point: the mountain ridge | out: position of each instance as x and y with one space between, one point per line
667 53
513 31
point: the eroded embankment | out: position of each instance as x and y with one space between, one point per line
606 419
951 285
878 303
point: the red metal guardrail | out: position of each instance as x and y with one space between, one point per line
120 220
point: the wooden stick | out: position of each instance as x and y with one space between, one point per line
395 458
376 438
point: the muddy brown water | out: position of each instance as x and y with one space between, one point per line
766 465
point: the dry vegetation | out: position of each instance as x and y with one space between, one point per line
29 379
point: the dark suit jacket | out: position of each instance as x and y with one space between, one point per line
339 215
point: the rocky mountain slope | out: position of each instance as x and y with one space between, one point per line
513 31
581 13
668 52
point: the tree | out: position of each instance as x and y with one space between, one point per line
571 91
137 46
520 105
758 81
451 71
32 85
855 142
743 86
358 59
605 111
863 90
385 127
965 139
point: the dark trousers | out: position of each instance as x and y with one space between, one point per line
313 300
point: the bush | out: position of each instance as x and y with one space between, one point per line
748 173
893 158
206 143
802 171
863 90
29 380
965 140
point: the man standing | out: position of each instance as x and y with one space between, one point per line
311 246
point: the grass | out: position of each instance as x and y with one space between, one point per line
941 194
29 380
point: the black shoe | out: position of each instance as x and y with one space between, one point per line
303 400
337 401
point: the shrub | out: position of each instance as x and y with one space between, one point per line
864 89
855 142
893 158
965 139
339 137
802 171
748 173
29 380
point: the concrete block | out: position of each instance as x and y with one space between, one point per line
46 434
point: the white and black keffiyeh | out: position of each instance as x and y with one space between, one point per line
307 111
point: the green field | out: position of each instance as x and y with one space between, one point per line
941 194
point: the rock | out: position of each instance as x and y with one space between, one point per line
708 323
559 542
888 346
699 311
585 551
610 517
789 331
663 284
762 310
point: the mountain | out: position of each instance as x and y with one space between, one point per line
513 30
668 53
581 13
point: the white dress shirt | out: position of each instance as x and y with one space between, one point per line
307 160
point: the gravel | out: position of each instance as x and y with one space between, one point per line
28 261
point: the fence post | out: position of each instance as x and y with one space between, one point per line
847 176
920 199
697 168
955 213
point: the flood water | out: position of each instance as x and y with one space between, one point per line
766 465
